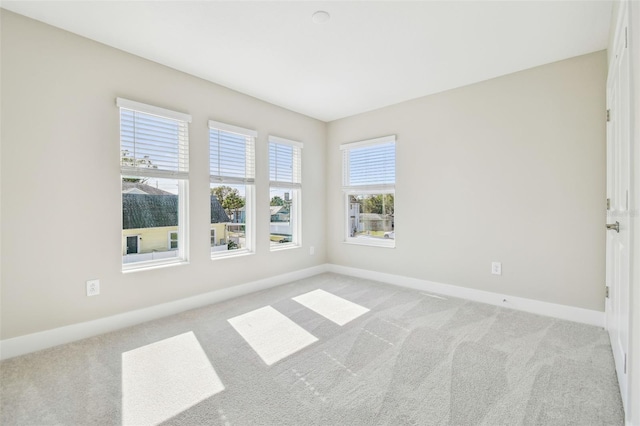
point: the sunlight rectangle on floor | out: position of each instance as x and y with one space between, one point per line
330 306
271 334
162 379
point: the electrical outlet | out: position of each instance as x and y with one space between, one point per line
312 250
496 268
93 287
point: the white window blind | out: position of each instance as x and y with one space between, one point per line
231 154
285 163
153 141
370 165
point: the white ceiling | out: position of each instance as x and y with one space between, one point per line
368 55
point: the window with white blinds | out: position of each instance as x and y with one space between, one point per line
232 176
153 141
285 162
154 165
231 153
370 165
369 177
285 191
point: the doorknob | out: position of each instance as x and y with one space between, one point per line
614 226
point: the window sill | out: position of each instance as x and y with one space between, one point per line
371 242
146 266
231 254
286 246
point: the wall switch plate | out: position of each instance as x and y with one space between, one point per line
312 250
93 287
496 268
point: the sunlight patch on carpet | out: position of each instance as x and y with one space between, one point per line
165 378
272 335
330 306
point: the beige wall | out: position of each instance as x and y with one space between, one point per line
511 169
61 217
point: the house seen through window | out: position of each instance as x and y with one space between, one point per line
232 181
154 173
369 184
285 188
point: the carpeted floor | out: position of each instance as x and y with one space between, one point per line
401 357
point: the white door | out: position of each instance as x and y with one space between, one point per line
618 214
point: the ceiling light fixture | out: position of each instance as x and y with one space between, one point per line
320 17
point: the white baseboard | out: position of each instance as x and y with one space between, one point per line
570 313
21 345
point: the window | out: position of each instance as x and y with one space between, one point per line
154 167
173 240
285 187
232 177
369 177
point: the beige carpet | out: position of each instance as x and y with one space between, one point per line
355 353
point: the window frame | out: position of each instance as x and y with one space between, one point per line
181 176
294 186
385 188
248 182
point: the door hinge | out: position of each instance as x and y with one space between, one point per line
626 40
606 291
608 115
608 203
625 363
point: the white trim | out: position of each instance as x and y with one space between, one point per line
153 110
228 254
284 246
148 265
369 142
371 242
570 313
21 345
183 220
277 139
216 125
250 218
